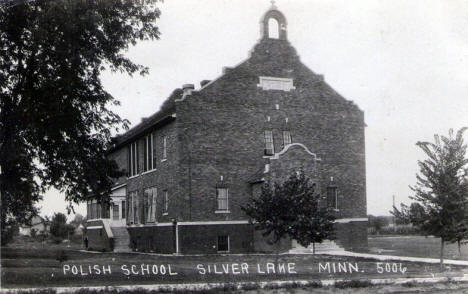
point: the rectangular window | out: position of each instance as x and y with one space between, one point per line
133 159
115 211
269 146
154 149
164 147
148 153
133 209
166 202
332 197
105 210
222 197
223 243
151 195
124 215
286 138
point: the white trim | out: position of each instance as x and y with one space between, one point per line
222 211
94 220
164 159
200 223
286 148
148 171
348 220
238 222
94 227
118 187
165 213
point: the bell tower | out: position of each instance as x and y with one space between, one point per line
268 31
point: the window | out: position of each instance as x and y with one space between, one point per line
94 210
222 197
286 138
115 211
124 215
223 243
151 195
332 197
269 146
148 154
164 147
154 150
133 216
273 29
133 159
166 202
105 210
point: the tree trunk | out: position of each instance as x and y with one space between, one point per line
459 247
313 248
441 253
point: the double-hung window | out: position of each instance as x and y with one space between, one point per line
164 141
133 154
133 211
222 196
269 146
332 197
153 135
166 202
148 152
151 195
286 138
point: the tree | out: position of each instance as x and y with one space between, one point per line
77 221
59 227
378 222
441 191
55 116
291 209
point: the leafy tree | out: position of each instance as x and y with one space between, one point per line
441 191
55 120
77 221
59 227
291 209
378 222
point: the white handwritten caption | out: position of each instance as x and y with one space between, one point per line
229 269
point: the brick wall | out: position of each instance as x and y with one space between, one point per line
226 121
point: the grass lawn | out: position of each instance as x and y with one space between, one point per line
36 265
417 246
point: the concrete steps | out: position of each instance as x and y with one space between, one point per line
121 239
327 246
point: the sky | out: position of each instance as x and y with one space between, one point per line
404 63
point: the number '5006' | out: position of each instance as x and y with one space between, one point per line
390 267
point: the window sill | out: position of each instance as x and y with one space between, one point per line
222 211
165 213
162 160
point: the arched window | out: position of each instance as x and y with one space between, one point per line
273 28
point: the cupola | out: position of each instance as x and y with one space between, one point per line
273 24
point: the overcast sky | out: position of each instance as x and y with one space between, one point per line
404 62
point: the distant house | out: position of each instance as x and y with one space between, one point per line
37 224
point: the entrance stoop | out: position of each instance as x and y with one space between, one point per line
121 239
